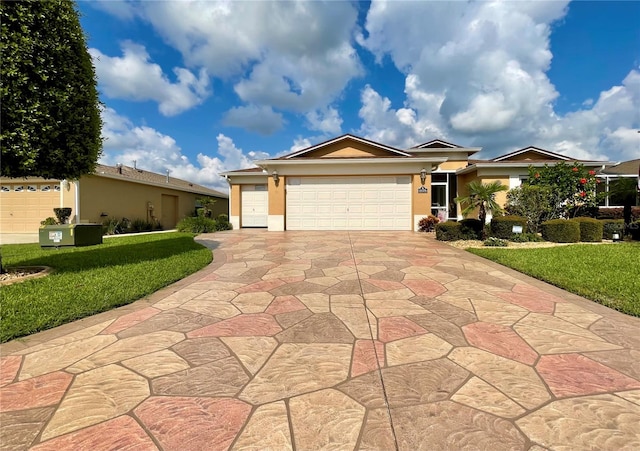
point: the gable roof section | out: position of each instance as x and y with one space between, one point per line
151 178
544 154
436 144
392 150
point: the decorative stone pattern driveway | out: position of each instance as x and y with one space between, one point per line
334 341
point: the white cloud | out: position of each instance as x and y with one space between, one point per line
298 144
292 56
134 77
326 120
259 119
476 73
156 152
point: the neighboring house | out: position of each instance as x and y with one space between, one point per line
512 168
351 183
112 191
612 174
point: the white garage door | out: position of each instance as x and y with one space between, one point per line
349 203
255 206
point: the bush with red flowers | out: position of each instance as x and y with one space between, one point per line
572 187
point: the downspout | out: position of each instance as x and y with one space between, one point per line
77 183
62 183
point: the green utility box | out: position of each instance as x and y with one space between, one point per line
70 235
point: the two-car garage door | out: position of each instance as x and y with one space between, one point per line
348 203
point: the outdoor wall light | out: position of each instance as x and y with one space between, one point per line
423 176
276 177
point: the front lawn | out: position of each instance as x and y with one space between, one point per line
606 273
92 279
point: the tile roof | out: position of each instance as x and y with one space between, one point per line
151 178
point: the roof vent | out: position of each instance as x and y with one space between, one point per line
134 164
168 171
119 168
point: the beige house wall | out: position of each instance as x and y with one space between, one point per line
236 200
276 196
420 202
101 197
453 165
353 150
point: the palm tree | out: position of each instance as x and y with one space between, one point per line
482 197
625 189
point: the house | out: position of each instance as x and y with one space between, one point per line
112 191
611 175
352 183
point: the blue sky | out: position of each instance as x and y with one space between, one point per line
204 87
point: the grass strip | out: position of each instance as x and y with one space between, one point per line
92 279
606 273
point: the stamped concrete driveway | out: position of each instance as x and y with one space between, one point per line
334 341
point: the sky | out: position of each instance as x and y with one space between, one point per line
203 87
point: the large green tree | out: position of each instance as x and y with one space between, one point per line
482 197
51 123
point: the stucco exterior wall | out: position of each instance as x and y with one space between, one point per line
352 150
453 165
101 197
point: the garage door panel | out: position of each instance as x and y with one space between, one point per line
349 203
255 207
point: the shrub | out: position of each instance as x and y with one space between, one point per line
222 223
502 226
471 229
495 242
532 203
140 225
561 231
448 231
618 213
49 221
427 223
611 226
196 224
112 226
590 229
526 238
62 214
610 213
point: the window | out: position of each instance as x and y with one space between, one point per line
45 188
56 188
32 188
438 177
5 189
18 188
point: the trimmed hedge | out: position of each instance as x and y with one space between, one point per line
611 226
502 226
617 213
471 229
561 231
448 231
196 224
590 229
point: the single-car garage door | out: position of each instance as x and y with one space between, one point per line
348 203
255 206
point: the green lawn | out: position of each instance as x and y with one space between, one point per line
92 279
606 273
